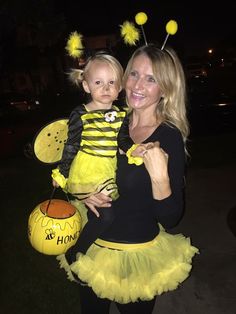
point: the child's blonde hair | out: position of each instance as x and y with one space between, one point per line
78 75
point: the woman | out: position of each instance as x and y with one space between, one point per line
135 259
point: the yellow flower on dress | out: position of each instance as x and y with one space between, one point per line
110 116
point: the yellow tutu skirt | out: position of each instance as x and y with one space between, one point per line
131 272
91 174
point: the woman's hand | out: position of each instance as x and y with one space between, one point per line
156 163
97 200
139 150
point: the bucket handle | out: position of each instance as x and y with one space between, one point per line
51 197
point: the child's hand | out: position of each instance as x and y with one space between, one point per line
97 200
55 184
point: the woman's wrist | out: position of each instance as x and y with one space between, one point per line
161 189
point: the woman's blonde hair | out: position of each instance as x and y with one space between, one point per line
169 73
78 75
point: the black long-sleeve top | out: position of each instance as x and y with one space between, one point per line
137 214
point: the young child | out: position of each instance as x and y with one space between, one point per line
95 132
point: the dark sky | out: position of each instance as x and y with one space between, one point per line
202 24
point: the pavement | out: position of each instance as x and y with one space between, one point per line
32 283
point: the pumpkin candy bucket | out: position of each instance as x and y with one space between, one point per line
54 226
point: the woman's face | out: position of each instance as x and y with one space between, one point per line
142 90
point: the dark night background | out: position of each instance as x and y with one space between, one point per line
34 63
34 89
33 34
202 24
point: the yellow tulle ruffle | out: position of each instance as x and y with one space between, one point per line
138 273
59 178
91 174
131 159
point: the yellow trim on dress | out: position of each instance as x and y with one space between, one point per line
123 246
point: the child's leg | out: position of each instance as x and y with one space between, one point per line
91 231
94 228
91 303
139 307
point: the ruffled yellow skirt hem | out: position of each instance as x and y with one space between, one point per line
91 174
137 273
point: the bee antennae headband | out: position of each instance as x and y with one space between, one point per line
131 34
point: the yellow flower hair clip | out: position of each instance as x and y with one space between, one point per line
74 45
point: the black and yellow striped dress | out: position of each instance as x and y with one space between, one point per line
89 156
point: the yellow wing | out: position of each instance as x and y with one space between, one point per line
49 141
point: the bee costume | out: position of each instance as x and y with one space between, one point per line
135 259
88 162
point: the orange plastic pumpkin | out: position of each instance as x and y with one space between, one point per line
53 229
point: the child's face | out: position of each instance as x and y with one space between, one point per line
101 83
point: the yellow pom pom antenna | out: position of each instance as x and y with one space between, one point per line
74 45
130 33
171 29
140 19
